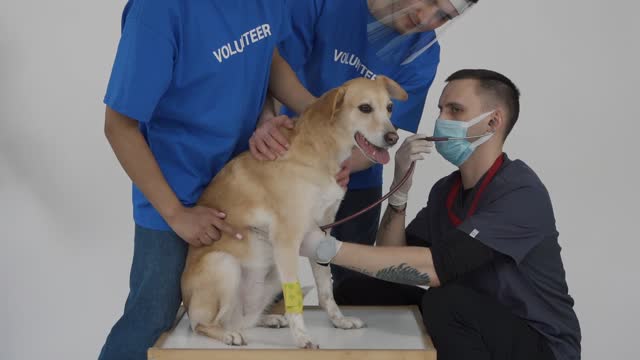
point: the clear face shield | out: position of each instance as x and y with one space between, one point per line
404 29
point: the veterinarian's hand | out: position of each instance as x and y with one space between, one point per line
320 247
268 142
412 149
343 176
201 225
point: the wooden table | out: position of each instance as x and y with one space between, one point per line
391 333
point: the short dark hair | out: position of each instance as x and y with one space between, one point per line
498 86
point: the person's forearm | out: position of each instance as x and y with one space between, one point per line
270 106
392 228
270 109
138 162
285 86
404 265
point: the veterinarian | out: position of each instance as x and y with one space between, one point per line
486 242
186 89
335 41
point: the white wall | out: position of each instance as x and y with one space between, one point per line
65 202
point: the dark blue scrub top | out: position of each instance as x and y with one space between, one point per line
515 218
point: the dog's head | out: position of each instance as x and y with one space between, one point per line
364 108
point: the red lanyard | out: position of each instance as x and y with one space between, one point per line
455 189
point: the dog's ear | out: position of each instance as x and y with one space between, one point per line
338 99
332 101
393 88
329 103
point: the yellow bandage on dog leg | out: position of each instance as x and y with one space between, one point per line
293 297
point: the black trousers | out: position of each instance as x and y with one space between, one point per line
361 230
463 324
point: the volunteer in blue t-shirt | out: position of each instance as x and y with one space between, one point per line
186 90
335 41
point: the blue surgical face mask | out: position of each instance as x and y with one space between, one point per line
457 151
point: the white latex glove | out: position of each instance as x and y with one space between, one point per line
320 247
412 149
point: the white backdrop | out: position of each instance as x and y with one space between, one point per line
65 202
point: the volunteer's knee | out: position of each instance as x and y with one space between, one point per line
154 296
158 300
153 302
157 267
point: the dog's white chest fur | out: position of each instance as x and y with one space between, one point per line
328 198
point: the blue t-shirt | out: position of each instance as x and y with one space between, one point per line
330 45
194 74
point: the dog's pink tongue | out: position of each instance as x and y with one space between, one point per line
377 154
381 156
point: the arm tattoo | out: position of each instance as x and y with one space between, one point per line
403 274
360 270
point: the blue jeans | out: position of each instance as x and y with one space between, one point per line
154 295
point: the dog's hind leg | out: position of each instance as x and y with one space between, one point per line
260 287
218 333
271 288
213 298
273 321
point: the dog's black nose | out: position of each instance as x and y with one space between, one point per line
391 138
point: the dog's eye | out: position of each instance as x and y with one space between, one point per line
365 108
390 107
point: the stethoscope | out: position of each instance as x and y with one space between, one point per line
404 179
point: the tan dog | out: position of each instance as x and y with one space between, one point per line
227 286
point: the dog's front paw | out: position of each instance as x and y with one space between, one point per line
300 335
348 322
234 338
304 342
273 321
310 345
302 339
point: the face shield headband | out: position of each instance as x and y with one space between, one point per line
423 23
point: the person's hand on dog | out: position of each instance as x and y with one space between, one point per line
268 142
412 149
201 225
343 176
